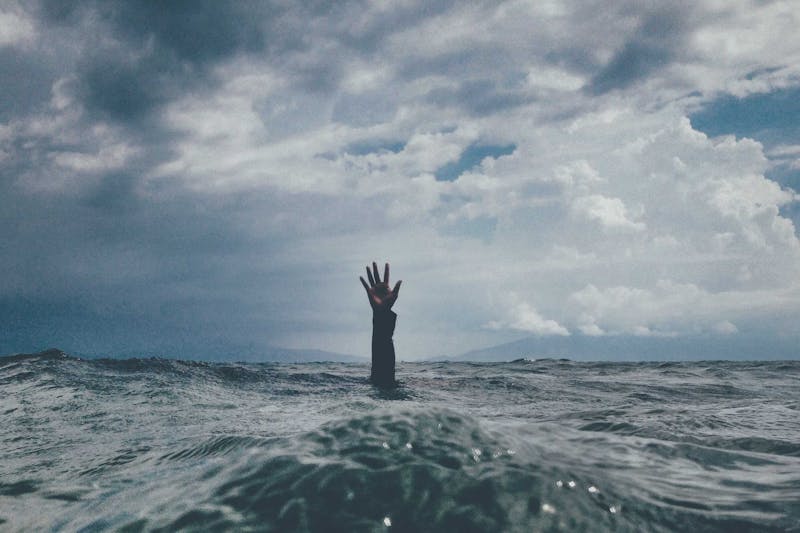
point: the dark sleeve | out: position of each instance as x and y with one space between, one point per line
382 348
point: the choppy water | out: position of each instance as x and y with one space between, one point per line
524 446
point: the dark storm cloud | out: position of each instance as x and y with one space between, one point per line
140 54
195 32
477 60
367 38
105 255
333 23
657 41
26 82
116 192
124 91
119 263
129 272
480 97
363 109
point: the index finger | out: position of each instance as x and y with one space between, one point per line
386 274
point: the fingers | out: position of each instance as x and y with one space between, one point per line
375 272
397 288
364 283
375 278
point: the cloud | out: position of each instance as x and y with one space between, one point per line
15 27
770 116
149 54
479 97
659 38
667 309
223 177
524 317
725 327
609 212
471 157
108 158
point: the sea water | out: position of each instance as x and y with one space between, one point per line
548 445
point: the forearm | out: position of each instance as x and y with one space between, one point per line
383 358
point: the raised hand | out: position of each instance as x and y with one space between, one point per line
380 296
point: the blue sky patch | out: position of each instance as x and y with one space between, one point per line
472 157
770 118
371 147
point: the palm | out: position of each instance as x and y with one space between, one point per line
380 296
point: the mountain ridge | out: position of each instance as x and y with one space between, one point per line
633 348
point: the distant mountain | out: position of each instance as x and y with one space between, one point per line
631 348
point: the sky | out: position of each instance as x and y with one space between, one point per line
201 177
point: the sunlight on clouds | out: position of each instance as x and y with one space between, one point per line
610 212
627 184
668 308
524 317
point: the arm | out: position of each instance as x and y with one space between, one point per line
381 299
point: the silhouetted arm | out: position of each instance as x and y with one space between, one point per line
383 348
381 299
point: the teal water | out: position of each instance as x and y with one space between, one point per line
551 445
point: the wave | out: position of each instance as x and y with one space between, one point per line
418 470
149 444
439 470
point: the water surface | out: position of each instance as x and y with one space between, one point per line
550 445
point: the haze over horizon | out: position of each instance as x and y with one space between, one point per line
211 176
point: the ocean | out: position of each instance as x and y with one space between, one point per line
543 445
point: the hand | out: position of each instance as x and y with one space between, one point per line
381 298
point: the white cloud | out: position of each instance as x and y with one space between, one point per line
785 150
553 79
111 157
725 327
15 27
669 308
524 317
742 38
610 212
